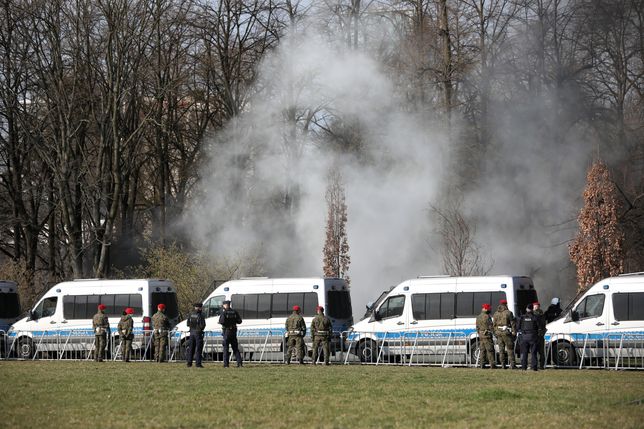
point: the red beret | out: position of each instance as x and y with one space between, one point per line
101 306
296 308
503 301
129 310
536 303
319 307
161 306
486 306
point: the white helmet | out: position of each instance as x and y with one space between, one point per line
554 301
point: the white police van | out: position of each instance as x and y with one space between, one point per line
431 310
608 319
264 305
61 321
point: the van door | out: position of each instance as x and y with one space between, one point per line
391 318
590 316
44 323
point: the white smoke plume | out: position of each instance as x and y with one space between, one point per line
264 185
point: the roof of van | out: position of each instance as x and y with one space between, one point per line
630 279
112 282
469 279
282 280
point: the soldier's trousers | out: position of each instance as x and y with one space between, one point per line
541 349
99 349
195 347
324 342
160 346
486 347
529 344
230 339
295 341
126 348
506 346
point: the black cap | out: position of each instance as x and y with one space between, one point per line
197 304
227 302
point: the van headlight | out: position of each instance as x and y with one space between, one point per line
10 330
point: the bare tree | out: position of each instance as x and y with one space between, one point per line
461 255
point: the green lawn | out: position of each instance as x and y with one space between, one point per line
115 394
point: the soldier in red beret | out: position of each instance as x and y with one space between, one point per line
161 325
101 327
321 330
295 331
486 343
505 330
125 328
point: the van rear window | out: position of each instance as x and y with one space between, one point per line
9 305
339 304
170 301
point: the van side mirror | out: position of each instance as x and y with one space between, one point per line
376 316
369 306
574 316
33 315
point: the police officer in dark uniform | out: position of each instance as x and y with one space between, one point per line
197 324
528 329
229 319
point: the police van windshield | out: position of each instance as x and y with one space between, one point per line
339 304
170 301
9 306
376 304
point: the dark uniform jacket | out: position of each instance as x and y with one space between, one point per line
196 322
125 327
530 325
321 326
552 312
541 322
229 319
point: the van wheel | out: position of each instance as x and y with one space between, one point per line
368 351
566 354
25 349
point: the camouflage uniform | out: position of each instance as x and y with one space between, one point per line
101 327
321 330
296 330
125 328
486 342
161 325
541 334
505 331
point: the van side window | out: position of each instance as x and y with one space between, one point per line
392 307
628 306
591 306
46 308
85 306
433 306
266 305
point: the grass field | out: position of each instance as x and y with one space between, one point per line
149 395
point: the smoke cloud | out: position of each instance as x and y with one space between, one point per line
264 185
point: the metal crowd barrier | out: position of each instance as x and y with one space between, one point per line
418 348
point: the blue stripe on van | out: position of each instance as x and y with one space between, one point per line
411 335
